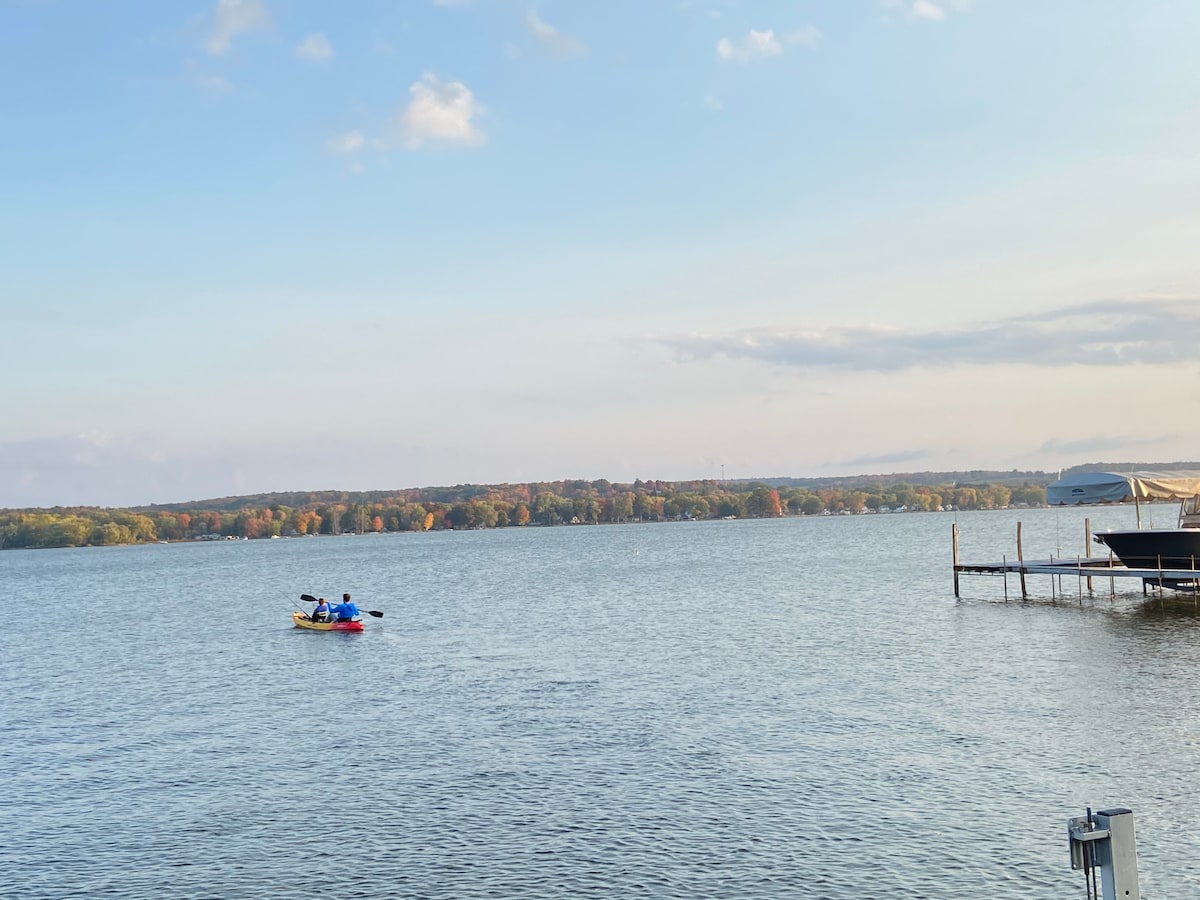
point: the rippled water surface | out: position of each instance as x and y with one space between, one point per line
787 708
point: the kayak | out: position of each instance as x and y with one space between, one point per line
303 621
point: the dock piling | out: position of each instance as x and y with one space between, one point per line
954 552
1021 559
1087 546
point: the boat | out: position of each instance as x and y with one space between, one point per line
302 621
1154 548
1142 548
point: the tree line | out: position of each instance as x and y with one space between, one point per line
483 506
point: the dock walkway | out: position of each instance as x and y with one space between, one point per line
1084 568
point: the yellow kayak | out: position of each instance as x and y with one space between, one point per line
303 621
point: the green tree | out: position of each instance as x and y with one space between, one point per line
458 517
70 531
622 506
110 533
547 509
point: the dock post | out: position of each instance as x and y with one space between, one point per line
1021 560
954 553
1087 546
1004 572
1105 844
1079 578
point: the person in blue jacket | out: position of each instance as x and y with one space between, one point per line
346 611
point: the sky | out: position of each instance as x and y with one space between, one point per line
276 245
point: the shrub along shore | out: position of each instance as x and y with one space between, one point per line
486 506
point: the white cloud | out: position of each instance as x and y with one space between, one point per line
436 111
1103 333
552 39
440 111
1099 443
755 44
927 10
232 18
315 48
350 142
893 456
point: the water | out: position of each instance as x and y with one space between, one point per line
786 708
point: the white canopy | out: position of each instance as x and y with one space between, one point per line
1110 487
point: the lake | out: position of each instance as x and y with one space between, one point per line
729 709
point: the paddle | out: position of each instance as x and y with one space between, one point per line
309 598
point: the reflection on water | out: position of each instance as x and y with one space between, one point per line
719 709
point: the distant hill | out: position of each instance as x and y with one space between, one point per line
466 491
448 493
283 498
974 476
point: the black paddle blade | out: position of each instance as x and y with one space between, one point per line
374 612
308 598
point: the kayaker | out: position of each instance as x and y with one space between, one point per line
321 613
346 611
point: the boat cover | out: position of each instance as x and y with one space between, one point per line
1111 487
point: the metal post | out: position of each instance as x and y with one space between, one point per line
1087 546
1107 841
1021 559
1118 855
954 553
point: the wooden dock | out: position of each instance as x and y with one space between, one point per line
1084 568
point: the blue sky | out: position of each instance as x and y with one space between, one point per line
267 245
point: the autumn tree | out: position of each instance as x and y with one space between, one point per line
763 501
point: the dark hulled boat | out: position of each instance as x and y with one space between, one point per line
1154 548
